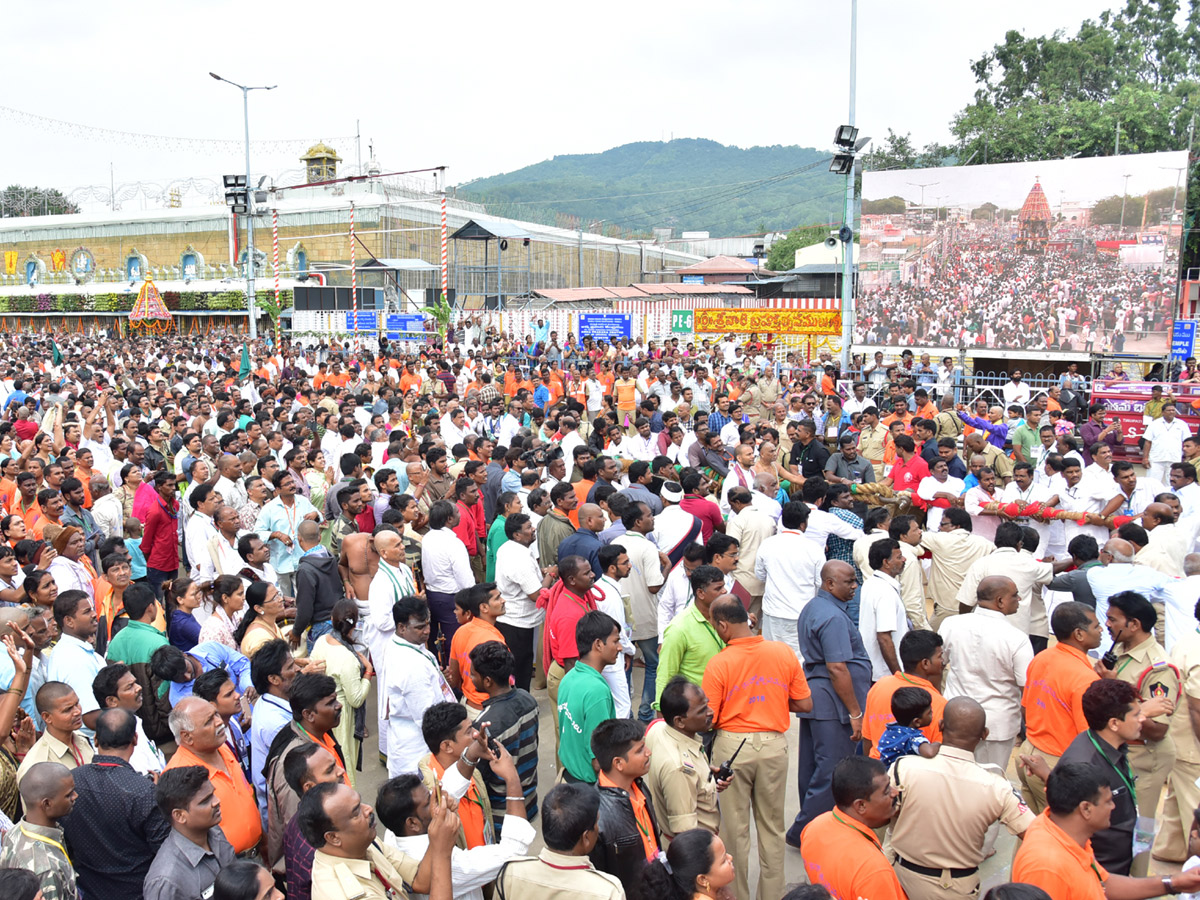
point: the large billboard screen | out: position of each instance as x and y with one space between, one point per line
1068 254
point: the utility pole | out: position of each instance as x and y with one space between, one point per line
580 254
848 309
1124 197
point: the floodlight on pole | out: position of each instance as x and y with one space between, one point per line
246 209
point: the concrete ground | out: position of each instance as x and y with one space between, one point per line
995 870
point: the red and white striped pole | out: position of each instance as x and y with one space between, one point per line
275 265
445 265
353 278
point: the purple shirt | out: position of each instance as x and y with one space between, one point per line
298 860
997 432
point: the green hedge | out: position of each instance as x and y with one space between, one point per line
176 301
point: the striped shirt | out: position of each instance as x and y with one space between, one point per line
513 719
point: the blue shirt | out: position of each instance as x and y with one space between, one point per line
274 516
511 481
541 396
582 543
76 663
211 656
271 715
827 635
7 674
899 740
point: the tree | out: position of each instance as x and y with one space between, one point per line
985 211
17 200
887 206
783 253
441 313
896 151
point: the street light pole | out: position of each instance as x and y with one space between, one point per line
1124 197
921 251
250 297
848 310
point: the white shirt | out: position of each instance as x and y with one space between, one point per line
412 685
146 756
1035 493
750 528
1015 393
822 524
451 433
518 576
199 531
930 486
71 576
109 515
1166 440
389 585
232 493
673 597
733 480
881 611
509 426
1179 600
789 565
1023 569
671 526
642 448
471 870
570 441
986 658
445 562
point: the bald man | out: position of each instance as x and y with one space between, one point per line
1168 544
36 842
990 658
838 670
392 580
950 804
1121 573
585 541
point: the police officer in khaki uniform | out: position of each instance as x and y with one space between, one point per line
946 805
562 871
680 779
350 865
871 439
1143 663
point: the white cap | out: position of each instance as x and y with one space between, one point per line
672 491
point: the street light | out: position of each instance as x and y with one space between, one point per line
921 252
1124 197
249 207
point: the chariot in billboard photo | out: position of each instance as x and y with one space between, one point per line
1077 255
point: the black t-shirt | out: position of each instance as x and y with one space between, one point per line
810 460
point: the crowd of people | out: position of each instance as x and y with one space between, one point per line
978 288
221 572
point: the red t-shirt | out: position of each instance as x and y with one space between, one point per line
470 526
563 614
906 476
706 511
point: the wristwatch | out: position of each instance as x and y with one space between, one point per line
1167 888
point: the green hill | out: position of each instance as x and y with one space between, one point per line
687 184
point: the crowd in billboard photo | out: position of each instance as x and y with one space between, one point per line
984 291
1077 255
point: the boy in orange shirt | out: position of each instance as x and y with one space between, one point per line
483 605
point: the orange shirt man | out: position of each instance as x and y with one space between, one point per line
240 819
484 608
878 711
1054 861
1053 701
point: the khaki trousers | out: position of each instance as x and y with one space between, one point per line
554 677
1183 797
1033 789
927 887
759 786
998 754
1151 763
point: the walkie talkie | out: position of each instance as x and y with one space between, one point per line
726 771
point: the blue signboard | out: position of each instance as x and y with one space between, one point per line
693 279
1183 339
405 327
367 321
605 326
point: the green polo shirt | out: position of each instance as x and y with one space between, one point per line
135 643
1026 438
584 701
495 538
688 644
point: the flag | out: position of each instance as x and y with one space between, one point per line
56 358
244 369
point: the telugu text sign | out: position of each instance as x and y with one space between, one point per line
768 321
605 327
1183 338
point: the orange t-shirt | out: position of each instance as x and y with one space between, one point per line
878 712
641 815
240 819
1053 700
1050 859
409 383
470 809
1052 405
626 394
340 380
582 488
750 682
85 478
837 856
466 638
907 419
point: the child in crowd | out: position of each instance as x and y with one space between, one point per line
912 708
133 543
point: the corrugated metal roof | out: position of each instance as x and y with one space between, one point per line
482 228
719 265
644 291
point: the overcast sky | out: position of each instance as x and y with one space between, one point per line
480 87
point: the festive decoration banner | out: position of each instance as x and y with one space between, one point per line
768 321
10 262
58 260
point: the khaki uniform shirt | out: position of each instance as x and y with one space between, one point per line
684 795
953 554
554 876
947 804
1147 663
768 395
335 878
1002 465
1185 656
50 749
871 444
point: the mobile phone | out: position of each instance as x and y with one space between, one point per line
491 741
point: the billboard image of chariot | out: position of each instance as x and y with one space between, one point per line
1074 254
